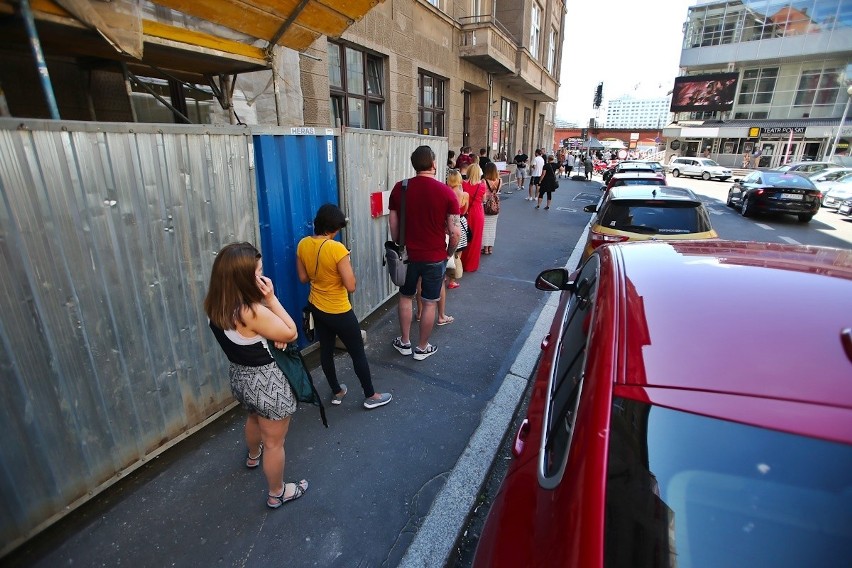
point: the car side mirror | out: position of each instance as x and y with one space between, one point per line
590 208
554 279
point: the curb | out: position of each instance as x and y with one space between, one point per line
433 543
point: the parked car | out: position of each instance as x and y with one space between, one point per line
686 411
638 213
835 192
775 192
828 175
634 166
635 177
845 208
805 168
704 168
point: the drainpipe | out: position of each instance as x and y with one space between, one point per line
490 122
43 73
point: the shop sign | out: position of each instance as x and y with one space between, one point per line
758 131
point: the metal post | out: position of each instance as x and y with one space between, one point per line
43 73
840 126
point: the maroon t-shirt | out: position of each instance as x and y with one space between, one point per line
427 204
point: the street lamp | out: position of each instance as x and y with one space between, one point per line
840 126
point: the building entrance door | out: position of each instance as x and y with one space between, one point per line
788 153
769 155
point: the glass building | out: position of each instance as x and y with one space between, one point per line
763 77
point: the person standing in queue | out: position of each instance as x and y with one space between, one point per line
244 316
431 213
475 189
325 264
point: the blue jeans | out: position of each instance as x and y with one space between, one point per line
432 276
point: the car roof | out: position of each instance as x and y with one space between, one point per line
656 192
733 320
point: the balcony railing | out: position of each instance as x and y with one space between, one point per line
487 44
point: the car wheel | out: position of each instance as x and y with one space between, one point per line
805 217
745 208
705 176
676 173
730 202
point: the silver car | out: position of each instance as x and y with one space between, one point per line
705 168
836 192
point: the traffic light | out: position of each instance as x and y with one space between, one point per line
592 124
584 133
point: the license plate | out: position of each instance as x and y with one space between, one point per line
845 209
797 196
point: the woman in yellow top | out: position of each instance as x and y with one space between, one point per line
325 263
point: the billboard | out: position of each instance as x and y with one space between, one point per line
698 93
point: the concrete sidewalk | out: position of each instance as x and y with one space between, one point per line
388 487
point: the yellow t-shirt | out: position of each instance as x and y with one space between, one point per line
327 291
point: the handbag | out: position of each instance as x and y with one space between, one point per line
466 234
396 257
307 313
492 201
291 363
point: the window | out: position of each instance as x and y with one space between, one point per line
431 105
679 484
757 86
551 54
818 87
566 381
656 217
356 85
436 3
508 120
535 30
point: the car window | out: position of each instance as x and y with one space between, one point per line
787 180
638 181
752 178
696 491
655 217
707 162
566 380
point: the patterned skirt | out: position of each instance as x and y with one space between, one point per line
489 231
262 390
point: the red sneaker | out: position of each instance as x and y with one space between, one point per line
453 284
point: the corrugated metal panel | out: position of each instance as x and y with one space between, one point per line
374 161
296 174
107 237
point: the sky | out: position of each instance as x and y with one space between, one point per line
632 47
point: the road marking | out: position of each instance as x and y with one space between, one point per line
762 226
789 240
566 209
715 212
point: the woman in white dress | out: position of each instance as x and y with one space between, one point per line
492 185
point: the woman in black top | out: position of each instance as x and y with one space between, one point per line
245 315
548 181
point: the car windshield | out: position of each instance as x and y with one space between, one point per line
638 181
655 217
694 491
706 162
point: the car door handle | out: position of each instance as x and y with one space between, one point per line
520 438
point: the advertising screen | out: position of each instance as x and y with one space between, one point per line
697 93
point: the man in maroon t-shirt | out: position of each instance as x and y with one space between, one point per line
431 213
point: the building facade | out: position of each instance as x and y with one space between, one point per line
635 112
766 78
482 73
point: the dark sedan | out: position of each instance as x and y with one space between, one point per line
775 192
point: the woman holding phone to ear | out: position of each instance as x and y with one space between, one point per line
244 315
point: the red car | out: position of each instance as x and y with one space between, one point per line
692 407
